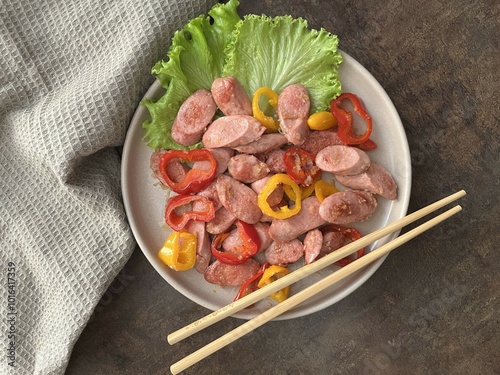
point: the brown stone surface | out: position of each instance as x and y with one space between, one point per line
433 306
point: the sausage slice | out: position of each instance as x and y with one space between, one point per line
376 179
342 160
193 117
347 207
239 199
232 131
293 111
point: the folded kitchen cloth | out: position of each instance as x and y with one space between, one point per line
71 75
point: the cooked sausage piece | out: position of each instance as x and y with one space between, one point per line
293 111
203 251
266 143
376 179
234 239
283 253
231 97
332 241
347 207
193 117
275 161
231 275
342 160
221 222
238 199
232 131
247 168
210 192
221 155
285 230
317 140
313 242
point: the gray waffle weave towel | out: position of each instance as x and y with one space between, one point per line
71 75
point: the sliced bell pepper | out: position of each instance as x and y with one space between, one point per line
351 233
300 166
195 180
178 211
250 245
179 251
367 145
323 120
305 191
269 122
323 189
250 285
284 211
273 273
345 119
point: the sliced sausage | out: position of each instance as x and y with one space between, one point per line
203 251
275 161
342 160
231 275
317 140
221 155
293 111
247 168
266 143
275 197
231 97
332 241
193 117
376 179
347 207
285 230
221 222
284 252
313 241
210 192
232 131
263 231
234 239
238 199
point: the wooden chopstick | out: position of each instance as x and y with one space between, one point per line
307 270
303 295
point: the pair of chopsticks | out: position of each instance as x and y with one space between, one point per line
312 290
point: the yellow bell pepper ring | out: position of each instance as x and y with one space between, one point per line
323 189
321 121
273 273
285 211
269 122
179 251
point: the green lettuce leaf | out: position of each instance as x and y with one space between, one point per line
257 50
276 52
195 59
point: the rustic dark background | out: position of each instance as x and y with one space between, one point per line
432 307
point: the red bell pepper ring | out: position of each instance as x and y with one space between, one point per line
368 145
250 245
194 180
250 285
300 166
351 233
345 119
203 210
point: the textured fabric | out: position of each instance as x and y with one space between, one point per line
71 75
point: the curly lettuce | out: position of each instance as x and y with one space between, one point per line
257 50
195 59
277 52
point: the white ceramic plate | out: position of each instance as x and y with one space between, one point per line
144 200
